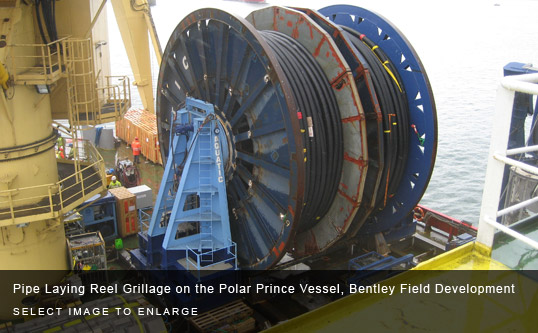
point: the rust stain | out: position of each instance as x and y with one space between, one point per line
352 119
338 60
360 71
290 23
339 230
347 197
290 209
328 54
281 247
295 32
344 185
290 12
360 162
339 82
348 220
318 48
311 245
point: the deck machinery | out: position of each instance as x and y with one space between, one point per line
327 123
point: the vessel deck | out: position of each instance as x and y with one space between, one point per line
409 311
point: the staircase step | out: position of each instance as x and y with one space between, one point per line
204 160
202 217
203 188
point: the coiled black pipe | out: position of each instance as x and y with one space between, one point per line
320 121
47 9
394 108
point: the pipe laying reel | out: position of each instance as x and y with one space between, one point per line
331 122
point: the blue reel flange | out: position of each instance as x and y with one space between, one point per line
221 59
422 117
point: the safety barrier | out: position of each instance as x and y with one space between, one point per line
144 219
92 102
86 178
114 97
37 64
499 157
197 265
92 99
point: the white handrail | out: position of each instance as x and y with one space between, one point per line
526 83
517 206
521 150
512 233
510 161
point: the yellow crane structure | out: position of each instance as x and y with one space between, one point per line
55 80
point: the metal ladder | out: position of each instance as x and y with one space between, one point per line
205 138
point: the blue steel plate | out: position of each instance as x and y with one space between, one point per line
422 112
221 59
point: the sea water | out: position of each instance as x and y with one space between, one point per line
462 44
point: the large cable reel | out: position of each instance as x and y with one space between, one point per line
310 161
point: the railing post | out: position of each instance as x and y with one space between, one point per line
61 196
11 208
50 200
109 85
117 100
235 255
43 57
102 170
49 59
59 57
497 160
495 168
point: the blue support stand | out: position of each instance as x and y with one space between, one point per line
189 228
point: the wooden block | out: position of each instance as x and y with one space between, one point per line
234 314
126 213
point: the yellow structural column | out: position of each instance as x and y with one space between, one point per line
28 168
27 164
135 24
25 180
